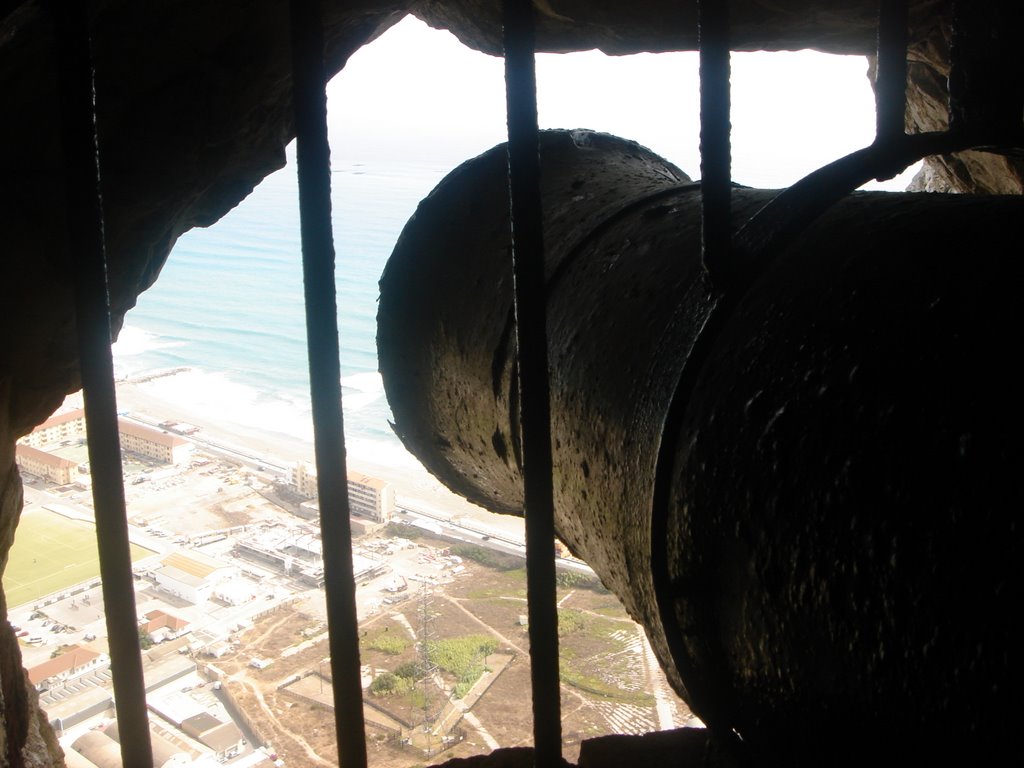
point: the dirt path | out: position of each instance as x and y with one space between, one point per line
664 703
268 631
473 720
400 618
457 602
283 731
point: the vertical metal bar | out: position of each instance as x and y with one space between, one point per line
314 171
715 146
531 337
87 254
891 70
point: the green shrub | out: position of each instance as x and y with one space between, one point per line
577 580
410 670
385 642
501 561
403 531
569 621
385 684
463 657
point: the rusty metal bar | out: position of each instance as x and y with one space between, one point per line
715 146
891 70
314 171
531 338
87 254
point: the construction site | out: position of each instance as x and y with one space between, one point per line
445 662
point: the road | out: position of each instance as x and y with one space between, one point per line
472 533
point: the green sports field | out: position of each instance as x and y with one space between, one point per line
50 553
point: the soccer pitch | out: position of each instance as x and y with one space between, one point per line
51 553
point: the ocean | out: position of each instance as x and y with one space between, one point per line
228 306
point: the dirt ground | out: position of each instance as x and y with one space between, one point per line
607 685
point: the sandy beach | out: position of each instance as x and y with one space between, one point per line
146 401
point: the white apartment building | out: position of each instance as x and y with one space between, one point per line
368 496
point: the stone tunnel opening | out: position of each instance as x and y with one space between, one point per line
277 193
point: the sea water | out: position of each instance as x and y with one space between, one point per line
228 306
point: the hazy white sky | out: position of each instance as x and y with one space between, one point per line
418 94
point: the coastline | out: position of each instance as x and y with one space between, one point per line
414 485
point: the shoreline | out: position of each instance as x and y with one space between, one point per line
413 484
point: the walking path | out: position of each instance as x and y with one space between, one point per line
664 706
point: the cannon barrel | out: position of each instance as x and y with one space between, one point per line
805 491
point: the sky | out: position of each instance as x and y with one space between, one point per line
418 95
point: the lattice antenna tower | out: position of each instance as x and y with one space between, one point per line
428 669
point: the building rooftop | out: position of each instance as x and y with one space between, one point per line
148 433
74 656
223 737
52 460
61 418
367 480
160 619
194 563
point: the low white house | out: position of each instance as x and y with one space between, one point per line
74 662
161 626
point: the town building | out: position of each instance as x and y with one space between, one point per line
223 738
56 429
192 576
74 662
99 749
161 626
235 592
165 751
153 443
302 480
298 555
213 729
368 497
48 466
371 497
102 748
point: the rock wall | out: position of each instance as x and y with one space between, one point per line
26 738
928 92
194 110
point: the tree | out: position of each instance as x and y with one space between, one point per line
384 685
145 640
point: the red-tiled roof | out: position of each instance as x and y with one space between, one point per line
148 433
28 452
74 656
160 619
61 418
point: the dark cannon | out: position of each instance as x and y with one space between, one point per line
806 490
